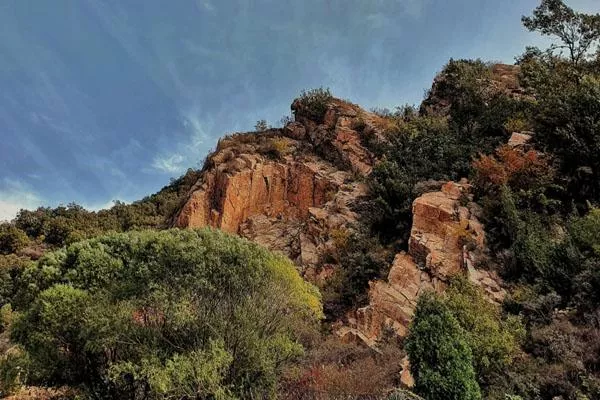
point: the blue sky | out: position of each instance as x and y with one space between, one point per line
108 99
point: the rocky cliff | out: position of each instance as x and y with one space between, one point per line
287 188
290 189
446 240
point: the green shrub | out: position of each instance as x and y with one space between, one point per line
313 103
12 239
279 147
495 341
440 357
362 259
171 313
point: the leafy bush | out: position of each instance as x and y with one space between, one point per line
517 124
362 259
494 340
12 239
313 103
440 357
170 313
11 268
68 224
279 147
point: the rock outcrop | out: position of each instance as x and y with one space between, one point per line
446 238
502 78
288 188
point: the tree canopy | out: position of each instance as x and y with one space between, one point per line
182 314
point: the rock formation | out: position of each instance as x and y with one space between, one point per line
446 239
502 78
288 188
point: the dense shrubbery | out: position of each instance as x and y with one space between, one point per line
62 225
437 147
440 357
182 314
362 259
313 103
490 340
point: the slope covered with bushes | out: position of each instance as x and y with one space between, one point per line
175 314
200 314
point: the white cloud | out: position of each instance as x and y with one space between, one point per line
100 206
15 196
207 5
170 164
187 153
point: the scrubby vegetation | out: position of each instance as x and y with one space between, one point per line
313 103
441 359
199 314
175 314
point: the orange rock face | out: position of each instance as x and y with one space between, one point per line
444 240
274 189
286 188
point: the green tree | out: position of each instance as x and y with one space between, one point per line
577 31
494 341
440 358
164 314
312 104
12 239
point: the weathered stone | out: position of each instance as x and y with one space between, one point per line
519 139
288 204
438 249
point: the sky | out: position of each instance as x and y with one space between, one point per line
106 100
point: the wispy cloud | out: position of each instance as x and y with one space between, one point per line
207 5
14 196
170 164
186 154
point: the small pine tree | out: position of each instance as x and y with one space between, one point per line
440 358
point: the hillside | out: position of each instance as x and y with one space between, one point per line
450 249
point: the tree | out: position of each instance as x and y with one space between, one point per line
170 314
12 239
494 341
261 125
440 358
578 32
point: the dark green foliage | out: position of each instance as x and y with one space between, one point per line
12 239
68 224
437 147
578 32
362 259
313 103
58 346
440 357
422 149
11 267
568 126
183 314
